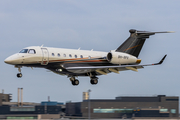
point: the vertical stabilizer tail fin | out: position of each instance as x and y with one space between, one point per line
135 42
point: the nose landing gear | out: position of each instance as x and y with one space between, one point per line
19 75
94 80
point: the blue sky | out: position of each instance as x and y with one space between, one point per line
101 25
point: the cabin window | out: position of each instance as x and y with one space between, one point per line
81 56
23 51
70 55
58 55
64 55
52 54
75 56
89 57
32 51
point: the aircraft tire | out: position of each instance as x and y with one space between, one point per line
19 75
75 82
94 81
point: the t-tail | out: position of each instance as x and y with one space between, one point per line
135 42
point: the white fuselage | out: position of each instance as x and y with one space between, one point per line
53 54
45 55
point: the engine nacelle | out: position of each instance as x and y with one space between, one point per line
121 58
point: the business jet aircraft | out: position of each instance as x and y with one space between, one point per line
74 63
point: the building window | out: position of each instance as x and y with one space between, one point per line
22 109
18 118
58 55
163 110
113 110
172 99
173 111
52 54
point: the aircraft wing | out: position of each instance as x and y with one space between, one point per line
107 69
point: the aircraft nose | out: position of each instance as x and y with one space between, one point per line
13 59
8 60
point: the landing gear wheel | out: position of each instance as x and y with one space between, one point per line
94 81
75 82
19 75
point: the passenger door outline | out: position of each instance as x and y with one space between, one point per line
45 56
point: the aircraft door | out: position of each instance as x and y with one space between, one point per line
45 56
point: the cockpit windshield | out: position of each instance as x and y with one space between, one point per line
23 51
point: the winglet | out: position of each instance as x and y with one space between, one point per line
162 60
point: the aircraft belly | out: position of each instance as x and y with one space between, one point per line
80 71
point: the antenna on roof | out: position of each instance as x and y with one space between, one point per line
79 48
42 45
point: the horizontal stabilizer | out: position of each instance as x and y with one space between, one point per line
146 32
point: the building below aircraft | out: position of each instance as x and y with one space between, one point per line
160 106
126 107
28 110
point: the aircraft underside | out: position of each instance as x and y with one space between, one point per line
72 74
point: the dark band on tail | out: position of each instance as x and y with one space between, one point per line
135 42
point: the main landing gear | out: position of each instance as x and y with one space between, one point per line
74 81
94 80
19 75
